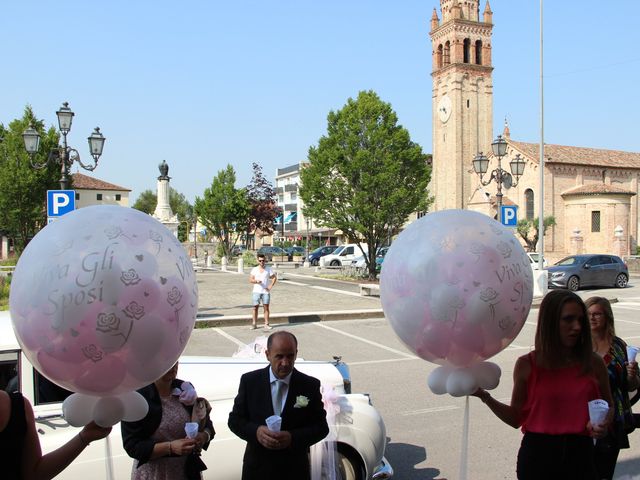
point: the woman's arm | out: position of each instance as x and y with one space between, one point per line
602 378
510 414
37 466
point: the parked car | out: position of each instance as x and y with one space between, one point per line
270 252
360 430
593 270
314 257
294 250
533 258
344 254
360 262
238 250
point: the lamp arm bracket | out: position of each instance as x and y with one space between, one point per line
75 156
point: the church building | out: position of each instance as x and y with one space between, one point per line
593 194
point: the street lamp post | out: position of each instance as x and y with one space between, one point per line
499 175
64 154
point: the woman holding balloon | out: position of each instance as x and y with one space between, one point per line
623 377
158 442
552 387
20 446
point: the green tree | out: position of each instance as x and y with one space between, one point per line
23 188
224 209
147 201
262 199
366 176
528 230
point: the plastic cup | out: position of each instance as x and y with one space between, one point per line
191 429
274 422
632 352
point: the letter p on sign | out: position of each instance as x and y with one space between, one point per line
509 215
60 202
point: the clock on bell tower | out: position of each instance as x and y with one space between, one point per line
462 100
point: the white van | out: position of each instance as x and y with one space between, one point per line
344 254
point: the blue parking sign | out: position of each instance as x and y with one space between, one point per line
509 215
60 202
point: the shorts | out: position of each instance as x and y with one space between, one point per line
265 297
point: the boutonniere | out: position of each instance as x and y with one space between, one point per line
301 401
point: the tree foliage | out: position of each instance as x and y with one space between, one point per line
262 201
366 176
148 199
224 209
528 230
23 189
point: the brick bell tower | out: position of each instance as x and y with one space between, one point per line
462 101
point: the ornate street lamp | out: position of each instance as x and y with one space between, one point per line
500 176
64 154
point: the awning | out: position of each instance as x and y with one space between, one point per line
277 219
291 217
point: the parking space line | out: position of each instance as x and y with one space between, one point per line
364 340
335 290
388 360
228 337
291 282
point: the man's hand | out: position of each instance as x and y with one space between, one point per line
273 440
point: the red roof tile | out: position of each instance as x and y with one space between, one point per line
578 155
597 189
84 182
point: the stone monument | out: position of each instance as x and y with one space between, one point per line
163 212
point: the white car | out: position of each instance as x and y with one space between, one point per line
344 255
359 428
533 258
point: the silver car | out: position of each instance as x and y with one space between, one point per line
593 270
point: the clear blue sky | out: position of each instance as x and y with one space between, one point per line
206 83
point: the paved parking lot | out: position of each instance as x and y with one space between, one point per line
424 430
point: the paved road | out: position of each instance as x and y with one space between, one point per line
424 430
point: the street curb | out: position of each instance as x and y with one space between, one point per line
208 321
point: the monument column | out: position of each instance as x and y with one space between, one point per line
163 212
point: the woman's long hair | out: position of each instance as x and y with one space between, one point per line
548 344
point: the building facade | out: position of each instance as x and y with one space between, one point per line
92 191
593 194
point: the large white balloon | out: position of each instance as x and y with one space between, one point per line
456 286
103 300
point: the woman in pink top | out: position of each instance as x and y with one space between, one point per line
552 386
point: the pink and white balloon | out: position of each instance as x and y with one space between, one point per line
103 301
456 287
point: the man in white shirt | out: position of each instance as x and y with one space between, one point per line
263 280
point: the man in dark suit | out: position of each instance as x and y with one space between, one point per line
282 455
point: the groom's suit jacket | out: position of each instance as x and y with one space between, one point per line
307 425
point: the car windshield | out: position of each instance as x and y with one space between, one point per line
570 261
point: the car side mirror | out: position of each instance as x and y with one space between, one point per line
587 266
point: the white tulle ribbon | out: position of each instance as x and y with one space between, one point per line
254 349
323 454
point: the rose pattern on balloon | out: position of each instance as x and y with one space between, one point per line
113 232
134 310
93 353
456 287
130 277
174 296
107 323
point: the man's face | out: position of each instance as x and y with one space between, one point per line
282 355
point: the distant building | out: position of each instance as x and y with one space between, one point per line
92 191
293 225
594 194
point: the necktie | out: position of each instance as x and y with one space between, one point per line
277 401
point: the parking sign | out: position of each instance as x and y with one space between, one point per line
60 202
509 215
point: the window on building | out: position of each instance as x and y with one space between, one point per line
595 221
98 196
118 197
439 57
447 50
528 198
77 196
479 52
466 50
468 103
280 198
294 197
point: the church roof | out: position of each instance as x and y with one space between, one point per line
578 155
85 182
597 189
